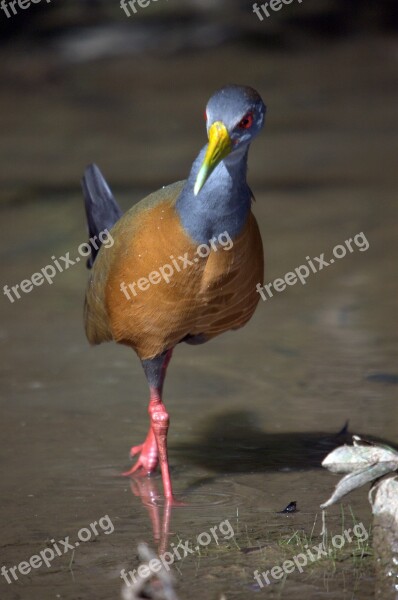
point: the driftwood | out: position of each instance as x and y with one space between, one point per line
364 462
384 500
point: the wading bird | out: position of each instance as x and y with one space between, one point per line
212 292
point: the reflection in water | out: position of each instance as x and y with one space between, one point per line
147 489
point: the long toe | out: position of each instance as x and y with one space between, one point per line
136 450
148 457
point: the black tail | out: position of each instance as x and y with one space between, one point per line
102 210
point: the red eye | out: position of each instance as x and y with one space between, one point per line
246 122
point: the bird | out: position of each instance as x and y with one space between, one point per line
204 231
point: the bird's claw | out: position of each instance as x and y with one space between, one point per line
148 459
138 465
135 450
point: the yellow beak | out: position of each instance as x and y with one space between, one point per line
219 147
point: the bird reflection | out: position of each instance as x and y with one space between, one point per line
147 489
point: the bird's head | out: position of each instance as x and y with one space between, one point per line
234 116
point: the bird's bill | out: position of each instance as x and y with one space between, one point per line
220 145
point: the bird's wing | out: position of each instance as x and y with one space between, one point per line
123 251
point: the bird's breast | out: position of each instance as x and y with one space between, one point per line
163 287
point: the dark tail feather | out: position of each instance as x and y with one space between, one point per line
345 429
102 210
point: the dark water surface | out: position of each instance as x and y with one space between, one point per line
252 413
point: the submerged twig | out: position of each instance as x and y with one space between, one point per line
156 586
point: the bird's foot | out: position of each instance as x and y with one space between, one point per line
148 456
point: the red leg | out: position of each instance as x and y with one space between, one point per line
160 426
154 449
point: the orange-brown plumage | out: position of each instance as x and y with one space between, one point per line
213 295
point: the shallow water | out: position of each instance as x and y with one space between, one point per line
252 413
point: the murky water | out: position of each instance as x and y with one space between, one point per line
253 412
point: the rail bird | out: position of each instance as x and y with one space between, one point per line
185 260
